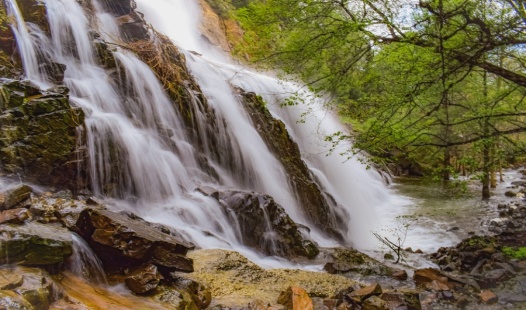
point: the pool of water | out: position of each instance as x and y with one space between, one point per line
443 215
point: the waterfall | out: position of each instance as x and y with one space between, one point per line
24 43
84 263
140 156
358 191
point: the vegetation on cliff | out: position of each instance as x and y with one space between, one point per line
440 83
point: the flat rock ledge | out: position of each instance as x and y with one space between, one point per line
125 242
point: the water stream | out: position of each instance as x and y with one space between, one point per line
141 159
84 263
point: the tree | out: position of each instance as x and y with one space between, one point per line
429 78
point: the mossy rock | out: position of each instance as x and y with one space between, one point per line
34 244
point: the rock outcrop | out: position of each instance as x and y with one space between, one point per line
34 244
264 224
314 201
26 288
122 242
39 135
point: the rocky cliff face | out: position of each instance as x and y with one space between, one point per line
314 201
40 135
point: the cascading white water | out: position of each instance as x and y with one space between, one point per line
24 43
358 191
138 149
84 263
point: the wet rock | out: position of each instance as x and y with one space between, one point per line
265 225
15 195
513 291
432 279
208 191
123 242
34 244
14 216
518 183
491 278
38 139
374 303
295 298
11 300
346 260
488 297
94 201
134 31
399 274
363 293
143 279
319 207
29 288
393 300
510 194
200 294
448 295
119 7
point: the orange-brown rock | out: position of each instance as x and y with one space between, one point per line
488 297
365 292
432 279
295 298
14 216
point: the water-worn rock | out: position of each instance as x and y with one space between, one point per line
488 297
26 288
34 244
38 140
433 279
143 279
265 225
295 298
347 260
320 208
14 216
365 292
374 303
121 241
14 195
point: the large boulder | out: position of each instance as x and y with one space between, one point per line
350 261
122 241
264 224
319 207
38 136
34 244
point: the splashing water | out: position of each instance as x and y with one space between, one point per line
25 44
138 149
359 192
84 263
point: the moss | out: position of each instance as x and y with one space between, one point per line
515 252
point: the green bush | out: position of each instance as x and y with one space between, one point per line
515 252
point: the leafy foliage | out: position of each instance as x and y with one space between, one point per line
440 81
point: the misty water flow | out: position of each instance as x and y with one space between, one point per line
141 159
84 263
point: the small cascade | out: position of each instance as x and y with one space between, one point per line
84 263
25 43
